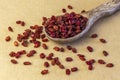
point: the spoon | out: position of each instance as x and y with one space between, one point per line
93 15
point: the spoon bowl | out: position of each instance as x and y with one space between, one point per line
93 15
70 39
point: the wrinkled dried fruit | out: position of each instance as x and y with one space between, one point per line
56 48
110 65
105 53
103 40
29 55
18 22
46 64
37 44
33 51
43 72
62 49
25 43
10 29
90 62
42 55
44 18
68 72
53 62
43 36
14 61
74 69
89 48
22 23
74 50
44 46
69 47
19 37
16 43
51 55
45 40
64 10
61 66
94 36
83 11
23 52
100 61
8 38
27 63
81 57
58 62
90 67
12 54
17 55
69 59
70 7
49 58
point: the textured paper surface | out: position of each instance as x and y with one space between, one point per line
32 11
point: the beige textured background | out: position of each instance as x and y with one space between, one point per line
31 12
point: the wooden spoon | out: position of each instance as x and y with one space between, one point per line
92 15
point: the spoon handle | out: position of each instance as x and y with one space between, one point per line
104 10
